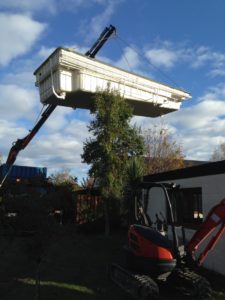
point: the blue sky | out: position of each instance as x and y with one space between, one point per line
183 40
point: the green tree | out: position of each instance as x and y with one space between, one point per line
113 143
163 152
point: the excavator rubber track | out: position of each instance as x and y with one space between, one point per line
189 283
139 286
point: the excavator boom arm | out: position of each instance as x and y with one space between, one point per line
214 219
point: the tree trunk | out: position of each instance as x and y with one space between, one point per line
107 218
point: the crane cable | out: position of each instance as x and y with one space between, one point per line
119 39
124 56
39 114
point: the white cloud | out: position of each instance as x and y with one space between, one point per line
164 54
23 79
9 133
44 52
162 57
98 22
204 56
58 120
58 150
18 33
201 126
17 102
199 115
27 5
200 56
51 6
78 130
72 4
129 59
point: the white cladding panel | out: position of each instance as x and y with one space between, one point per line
65 81
66 71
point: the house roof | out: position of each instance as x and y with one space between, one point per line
206 169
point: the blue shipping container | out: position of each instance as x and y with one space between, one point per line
22 172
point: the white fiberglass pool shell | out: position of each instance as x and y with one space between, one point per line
71 79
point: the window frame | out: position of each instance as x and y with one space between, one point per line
186 203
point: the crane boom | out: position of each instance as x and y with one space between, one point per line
20 144
104 36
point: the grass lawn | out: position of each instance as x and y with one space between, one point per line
72 266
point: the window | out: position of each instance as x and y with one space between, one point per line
187 207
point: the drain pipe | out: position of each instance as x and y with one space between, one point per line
63 95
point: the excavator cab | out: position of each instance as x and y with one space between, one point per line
149 249
151 204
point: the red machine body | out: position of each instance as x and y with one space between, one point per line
149 251
149 245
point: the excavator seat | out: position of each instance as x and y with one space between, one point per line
156 261
154 236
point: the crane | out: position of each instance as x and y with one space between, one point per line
21 144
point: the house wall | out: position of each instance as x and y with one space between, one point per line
213 191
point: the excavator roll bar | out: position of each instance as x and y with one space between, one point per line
20 144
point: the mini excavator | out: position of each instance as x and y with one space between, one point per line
153 260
